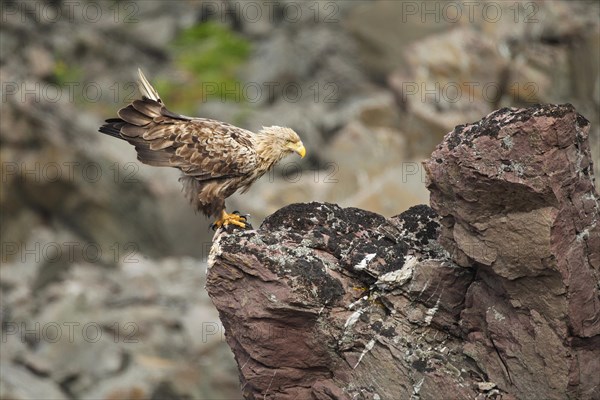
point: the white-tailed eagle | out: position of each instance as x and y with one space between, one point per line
216 159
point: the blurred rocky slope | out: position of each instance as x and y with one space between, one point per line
73 202
143 330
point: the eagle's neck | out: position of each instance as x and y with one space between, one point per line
269 152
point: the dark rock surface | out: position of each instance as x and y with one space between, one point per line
321 298
496 297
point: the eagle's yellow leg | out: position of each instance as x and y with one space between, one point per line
230 219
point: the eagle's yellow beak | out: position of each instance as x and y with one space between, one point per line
298 147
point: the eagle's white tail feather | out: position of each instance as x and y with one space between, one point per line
146 88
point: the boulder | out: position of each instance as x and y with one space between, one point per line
490 293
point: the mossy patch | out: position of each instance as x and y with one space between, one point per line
210 54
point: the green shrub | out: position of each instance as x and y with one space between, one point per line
209 52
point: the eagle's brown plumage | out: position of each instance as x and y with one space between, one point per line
215 158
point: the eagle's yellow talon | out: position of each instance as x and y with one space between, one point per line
231 219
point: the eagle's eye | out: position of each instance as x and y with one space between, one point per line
296 146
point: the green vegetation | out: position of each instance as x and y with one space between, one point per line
210 53
63 74
207 55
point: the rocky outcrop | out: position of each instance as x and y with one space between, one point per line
492 295
516 196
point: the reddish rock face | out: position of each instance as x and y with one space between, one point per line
515 192
497 297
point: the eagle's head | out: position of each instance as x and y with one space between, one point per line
281 141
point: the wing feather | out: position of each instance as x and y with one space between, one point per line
147 88
147 107
161 144
133 116
132 130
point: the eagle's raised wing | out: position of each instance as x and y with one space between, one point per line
201 148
